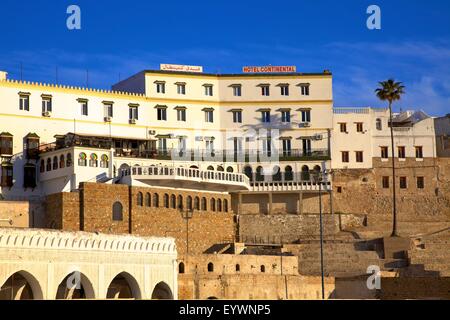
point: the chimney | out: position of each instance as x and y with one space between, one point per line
3 75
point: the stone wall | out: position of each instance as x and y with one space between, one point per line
361 191
15 214
91 210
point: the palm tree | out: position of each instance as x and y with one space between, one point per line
391 91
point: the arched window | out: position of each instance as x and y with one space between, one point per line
213 204
155 200
220 169
238 268
55 163
211 168
305 173
259 174
62 161
82 159
104 161
197 203
189 203
316 172
49 164
93 161
204 208
219 205
173 201
248 172
42 166
69 160
117 214
181 267
148 200
230 169
140 199
180 202
379 124
263 268
276 173
288 174
166 201
210 267
225 205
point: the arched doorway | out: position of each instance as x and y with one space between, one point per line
259 174
124 286
248 172
21 286
162 292
276 173
75 286
288 174
305 173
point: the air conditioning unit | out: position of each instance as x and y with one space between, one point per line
198 138
107 119
132 121
318 137
152 132
305 125
46 114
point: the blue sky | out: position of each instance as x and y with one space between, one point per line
119 37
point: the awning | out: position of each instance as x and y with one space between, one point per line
180 108
208 109
159 106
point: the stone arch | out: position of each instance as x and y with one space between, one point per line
117 211
123 286
220 169
288 174
31 288
162 291
82 290
248 171
276 173
305 173
230 169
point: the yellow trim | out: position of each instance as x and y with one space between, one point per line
225 103
149 127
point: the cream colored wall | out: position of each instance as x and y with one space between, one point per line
49 256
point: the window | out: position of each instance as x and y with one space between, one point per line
306 147
343 127
225 205
117 214
181 114
189 203
237 116
345 157
108 109
378 124
69 160
359 156
284 89
306 115
93 160
286 116
148 200
210 267
359 127
46 104
208 90
237 90
62 162
162 144
304 89
209 115
286 147
140 199
403 184
420 182
265 116
265 90
401 152
385 182
419 152
180 202
181 267
155 200
84 106
24 101
82 159
161 113
7 174
238 268
213 204
263 268
204 208
29 176
133 112
339 189
384 152
166 201
197 203
6 143
160 87
104 161
181 88
55 163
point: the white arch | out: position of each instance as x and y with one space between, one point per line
85 282
36 287
132 283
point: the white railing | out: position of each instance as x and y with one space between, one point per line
290 186
159 172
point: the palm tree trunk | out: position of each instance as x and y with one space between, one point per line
394 180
